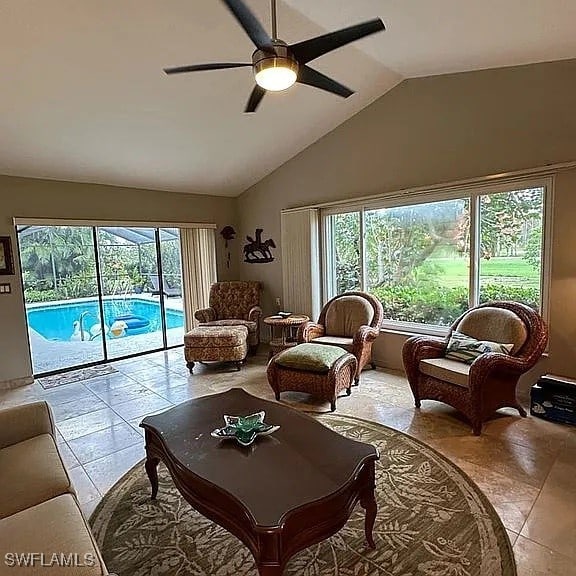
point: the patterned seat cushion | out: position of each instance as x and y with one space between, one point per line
310 357
251 326
215 336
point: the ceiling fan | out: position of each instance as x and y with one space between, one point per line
277 65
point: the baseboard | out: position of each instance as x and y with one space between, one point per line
16 383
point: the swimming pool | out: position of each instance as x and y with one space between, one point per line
56 321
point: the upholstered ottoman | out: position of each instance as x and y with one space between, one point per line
215 343
318 369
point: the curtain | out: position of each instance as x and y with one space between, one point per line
301 262
198 246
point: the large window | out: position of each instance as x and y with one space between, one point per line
429 260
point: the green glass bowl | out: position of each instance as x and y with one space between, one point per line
244 429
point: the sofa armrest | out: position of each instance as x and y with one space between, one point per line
254 313
308 331
24 422
205 315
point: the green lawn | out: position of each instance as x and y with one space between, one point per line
514 271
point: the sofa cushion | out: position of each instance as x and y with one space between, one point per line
447 370
346 314
55 531
31 472
466 349
310 357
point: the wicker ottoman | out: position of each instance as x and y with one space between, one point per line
321 370
215 343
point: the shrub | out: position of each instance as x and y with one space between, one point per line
529 295
34 295
439 305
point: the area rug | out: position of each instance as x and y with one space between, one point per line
76 375
432 520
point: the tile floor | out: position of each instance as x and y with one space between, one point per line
526 467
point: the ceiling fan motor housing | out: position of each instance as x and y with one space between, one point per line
281 58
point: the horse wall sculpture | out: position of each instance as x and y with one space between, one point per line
258 251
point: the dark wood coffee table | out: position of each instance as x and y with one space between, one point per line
285 492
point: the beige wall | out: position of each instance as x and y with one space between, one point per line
432 130
23 197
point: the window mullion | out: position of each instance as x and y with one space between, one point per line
362 258
329 262
474 280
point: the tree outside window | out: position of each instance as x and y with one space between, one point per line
417 257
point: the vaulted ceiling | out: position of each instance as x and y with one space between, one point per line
84 97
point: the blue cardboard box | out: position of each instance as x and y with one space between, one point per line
554 399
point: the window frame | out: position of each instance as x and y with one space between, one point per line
473 193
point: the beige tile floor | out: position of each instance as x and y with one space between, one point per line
526 467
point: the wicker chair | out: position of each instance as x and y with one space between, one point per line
350 320
234 304
489 383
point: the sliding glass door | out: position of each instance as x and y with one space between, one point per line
169 246
132 313
61 294
99 293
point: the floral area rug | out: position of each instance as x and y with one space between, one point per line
432 521
76 375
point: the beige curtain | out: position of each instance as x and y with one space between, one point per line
198 247
301 262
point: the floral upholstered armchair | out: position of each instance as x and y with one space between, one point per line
476 368
350 320
234 304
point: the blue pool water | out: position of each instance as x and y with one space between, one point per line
56 321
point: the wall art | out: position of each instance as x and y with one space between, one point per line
6 259
258 251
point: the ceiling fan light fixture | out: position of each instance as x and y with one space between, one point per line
276 73
277 65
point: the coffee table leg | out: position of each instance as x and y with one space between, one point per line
368 502
151 469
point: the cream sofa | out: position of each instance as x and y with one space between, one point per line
42 530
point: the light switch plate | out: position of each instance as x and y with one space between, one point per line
5 289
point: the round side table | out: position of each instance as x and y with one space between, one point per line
281 331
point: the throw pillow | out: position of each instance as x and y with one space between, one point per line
466 349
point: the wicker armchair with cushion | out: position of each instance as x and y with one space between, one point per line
234 304
350 320
475 379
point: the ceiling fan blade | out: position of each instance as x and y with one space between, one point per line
200 67
308 50
255 99
250 24
311 77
